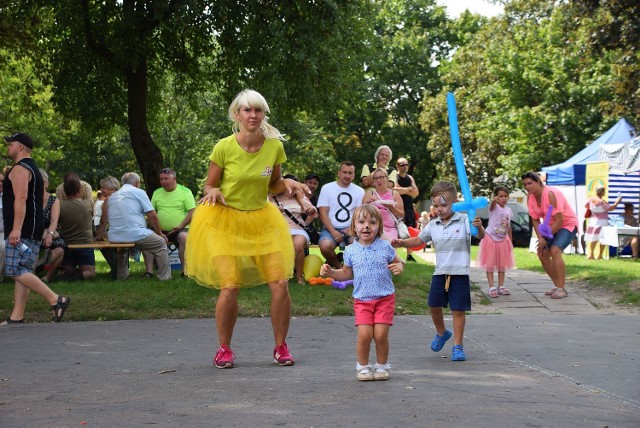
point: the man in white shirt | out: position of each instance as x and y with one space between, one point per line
336 204
126 211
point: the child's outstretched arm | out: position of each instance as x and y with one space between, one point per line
409 242
396 266
343 274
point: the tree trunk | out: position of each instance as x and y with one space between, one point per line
147 153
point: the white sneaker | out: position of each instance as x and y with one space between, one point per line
365 373
381 372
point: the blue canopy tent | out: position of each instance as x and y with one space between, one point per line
569 176
572 171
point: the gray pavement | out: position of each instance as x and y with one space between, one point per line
534 364
527 293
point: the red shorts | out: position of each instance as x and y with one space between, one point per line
379 311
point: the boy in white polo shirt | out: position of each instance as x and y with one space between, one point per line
451 236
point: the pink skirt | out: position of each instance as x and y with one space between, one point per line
495 255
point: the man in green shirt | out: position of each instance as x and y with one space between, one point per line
174 205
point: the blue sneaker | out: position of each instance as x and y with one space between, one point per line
438 341
457 354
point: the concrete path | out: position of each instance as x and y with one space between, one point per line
527 293
538 363
550 370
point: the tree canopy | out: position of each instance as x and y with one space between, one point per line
112 86
532 90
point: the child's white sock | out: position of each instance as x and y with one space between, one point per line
360 367
385 366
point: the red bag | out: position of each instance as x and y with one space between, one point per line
587 214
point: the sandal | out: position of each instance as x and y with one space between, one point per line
457 353
9 321
560 293
493 292
550 292
60 307
148 275
503 291
365 373
438 341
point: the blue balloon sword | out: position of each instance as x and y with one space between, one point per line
469 204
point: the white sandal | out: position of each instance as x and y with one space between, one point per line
365 373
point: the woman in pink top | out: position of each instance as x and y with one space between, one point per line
563 224
388 201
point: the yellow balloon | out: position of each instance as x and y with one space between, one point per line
312 265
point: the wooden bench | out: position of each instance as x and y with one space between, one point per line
102 245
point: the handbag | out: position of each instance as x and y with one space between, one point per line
587 213
403 230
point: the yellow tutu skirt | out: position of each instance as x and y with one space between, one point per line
231 248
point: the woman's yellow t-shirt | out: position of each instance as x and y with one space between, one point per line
246 176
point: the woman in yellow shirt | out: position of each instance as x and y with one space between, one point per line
237 239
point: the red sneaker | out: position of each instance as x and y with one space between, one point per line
282 356
224 358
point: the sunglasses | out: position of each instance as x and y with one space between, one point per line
402 164
167 171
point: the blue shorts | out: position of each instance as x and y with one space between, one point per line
17 263
458 298
562 238
79 257
326 236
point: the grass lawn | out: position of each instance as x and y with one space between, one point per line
102 299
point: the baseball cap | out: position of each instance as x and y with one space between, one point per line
310 176
23 139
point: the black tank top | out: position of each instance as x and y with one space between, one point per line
32 226
407 201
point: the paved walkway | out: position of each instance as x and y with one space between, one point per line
538 363
527 293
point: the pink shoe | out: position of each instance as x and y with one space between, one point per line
224 358
503 291
281 355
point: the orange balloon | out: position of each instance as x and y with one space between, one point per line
415 232
318 280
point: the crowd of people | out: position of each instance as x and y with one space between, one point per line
253 226
50 237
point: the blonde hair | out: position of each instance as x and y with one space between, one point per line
363 211
380 170
251 98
